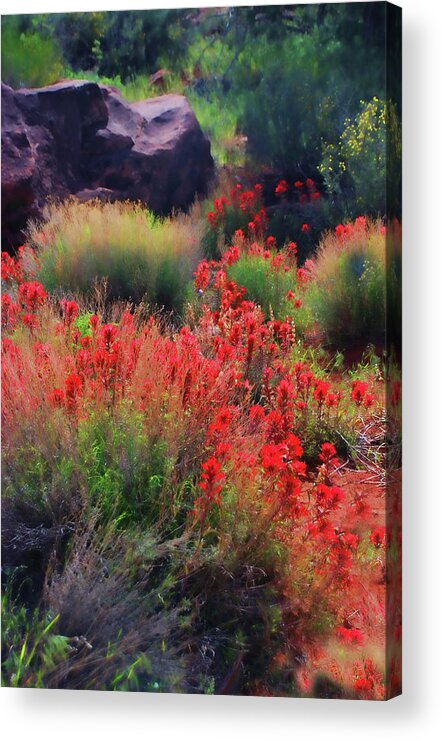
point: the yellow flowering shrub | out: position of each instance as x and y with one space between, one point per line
354 169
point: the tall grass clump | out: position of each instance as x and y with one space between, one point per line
140 256
348 294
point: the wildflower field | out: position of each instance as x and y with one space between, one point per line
201 438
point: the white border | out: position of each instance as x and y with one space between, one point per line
34 714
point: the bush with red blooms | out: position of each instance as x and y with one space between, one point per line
242 211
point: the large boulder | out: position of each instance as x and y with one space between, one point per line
80 138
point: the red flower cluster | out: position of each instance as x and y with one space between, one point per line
306 192
11 268
281 187
368 681
212 480
350 636
31 295
377 537
349 230
245 206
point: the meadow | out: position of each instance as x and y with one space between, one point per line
201 430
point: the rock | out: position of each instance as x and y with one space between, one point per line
81 138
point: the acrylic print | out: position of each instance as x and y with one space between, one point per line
201 389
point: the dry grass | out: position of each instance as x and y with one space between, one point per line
139 255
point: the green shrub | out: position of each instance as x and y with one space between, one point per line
264 285
139 256
281 114
125 471
29 59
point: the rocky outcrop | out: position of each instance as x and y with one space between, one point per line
81 138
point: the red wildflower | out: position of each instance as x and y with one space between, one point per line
320 391
282 187
377 537
272 458
305 228
94 322
30 321
212 480
360 221
232 254
56 398
350 636
358 392
305 379
212 219
11 268
251 345
298 184
363 685
329 497
108 335
340 231
302 275
202 276
32 295
271 242
350 540
221 421
277 261
70 311
10 311
328 452
332 400
294 446
73 391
